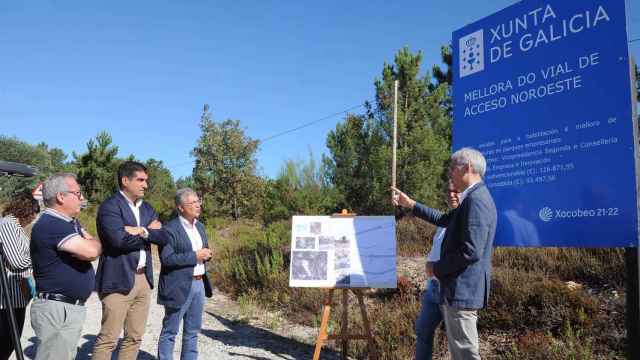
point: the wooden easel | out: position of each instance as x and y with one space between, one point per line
344 336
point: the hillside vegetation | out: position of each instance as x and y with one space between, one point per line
545 303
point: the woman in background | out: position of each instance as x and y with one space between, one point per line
20 212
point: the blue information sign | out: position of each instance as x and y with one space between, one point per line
543 90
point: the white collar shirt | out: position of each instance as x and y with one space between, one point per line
466 191
135 208
196 242
438 238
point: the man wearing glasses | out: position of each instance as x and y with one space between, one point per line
183 282
464 267
127 225
61 253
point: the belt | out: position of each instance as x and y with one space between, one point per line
197 277
141 270
60 297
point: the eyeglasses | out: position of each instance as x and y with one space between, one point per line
198 202
453 167
78 194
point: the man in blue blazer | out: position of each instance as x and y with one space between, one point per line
464 268
183 283
126 226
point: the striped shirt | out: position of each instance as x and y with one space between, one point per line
17 261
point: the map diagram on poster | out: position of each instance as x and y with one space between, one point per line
343 252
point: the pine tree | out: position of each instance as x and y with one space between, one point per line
96 168
360 149
225 169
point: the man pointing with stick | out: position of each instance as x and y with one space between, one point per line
464 268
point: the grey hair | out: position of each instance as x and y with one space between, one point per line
182 194
54 185
470 156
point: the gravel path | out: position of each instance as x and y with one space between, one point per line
226 334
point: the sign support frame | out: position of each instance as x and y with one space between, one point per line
632 255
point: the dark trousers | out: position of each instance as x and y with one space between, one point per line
6 339
428 321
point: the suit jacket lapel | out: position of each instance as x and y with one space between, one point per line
144 216
126 210
474 188
203 235
183 237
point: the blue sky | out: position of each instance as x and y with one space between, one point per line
142 70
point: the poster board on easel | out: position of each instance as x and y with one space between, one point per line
343 252
347 252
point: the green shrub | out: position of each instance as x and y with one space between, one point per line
248 257
596 267
302 305
570 344
414 236
524 300
87 218
393 322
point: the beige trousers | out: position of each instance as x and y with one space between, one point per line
123 311
462 332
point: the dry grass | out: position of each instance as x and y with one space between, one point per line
532 311
414 236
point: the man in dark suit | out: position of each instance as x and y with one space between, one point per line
464 268
126 227
183 282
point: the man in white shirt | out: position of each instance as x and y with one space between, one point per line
183 283
127 225
430 315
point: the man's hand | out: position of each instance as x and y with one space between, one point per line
399 198
155 225
429 269
203 255
86 235
134 230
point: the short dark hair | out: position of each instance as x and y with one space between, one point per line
22 205
128 169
